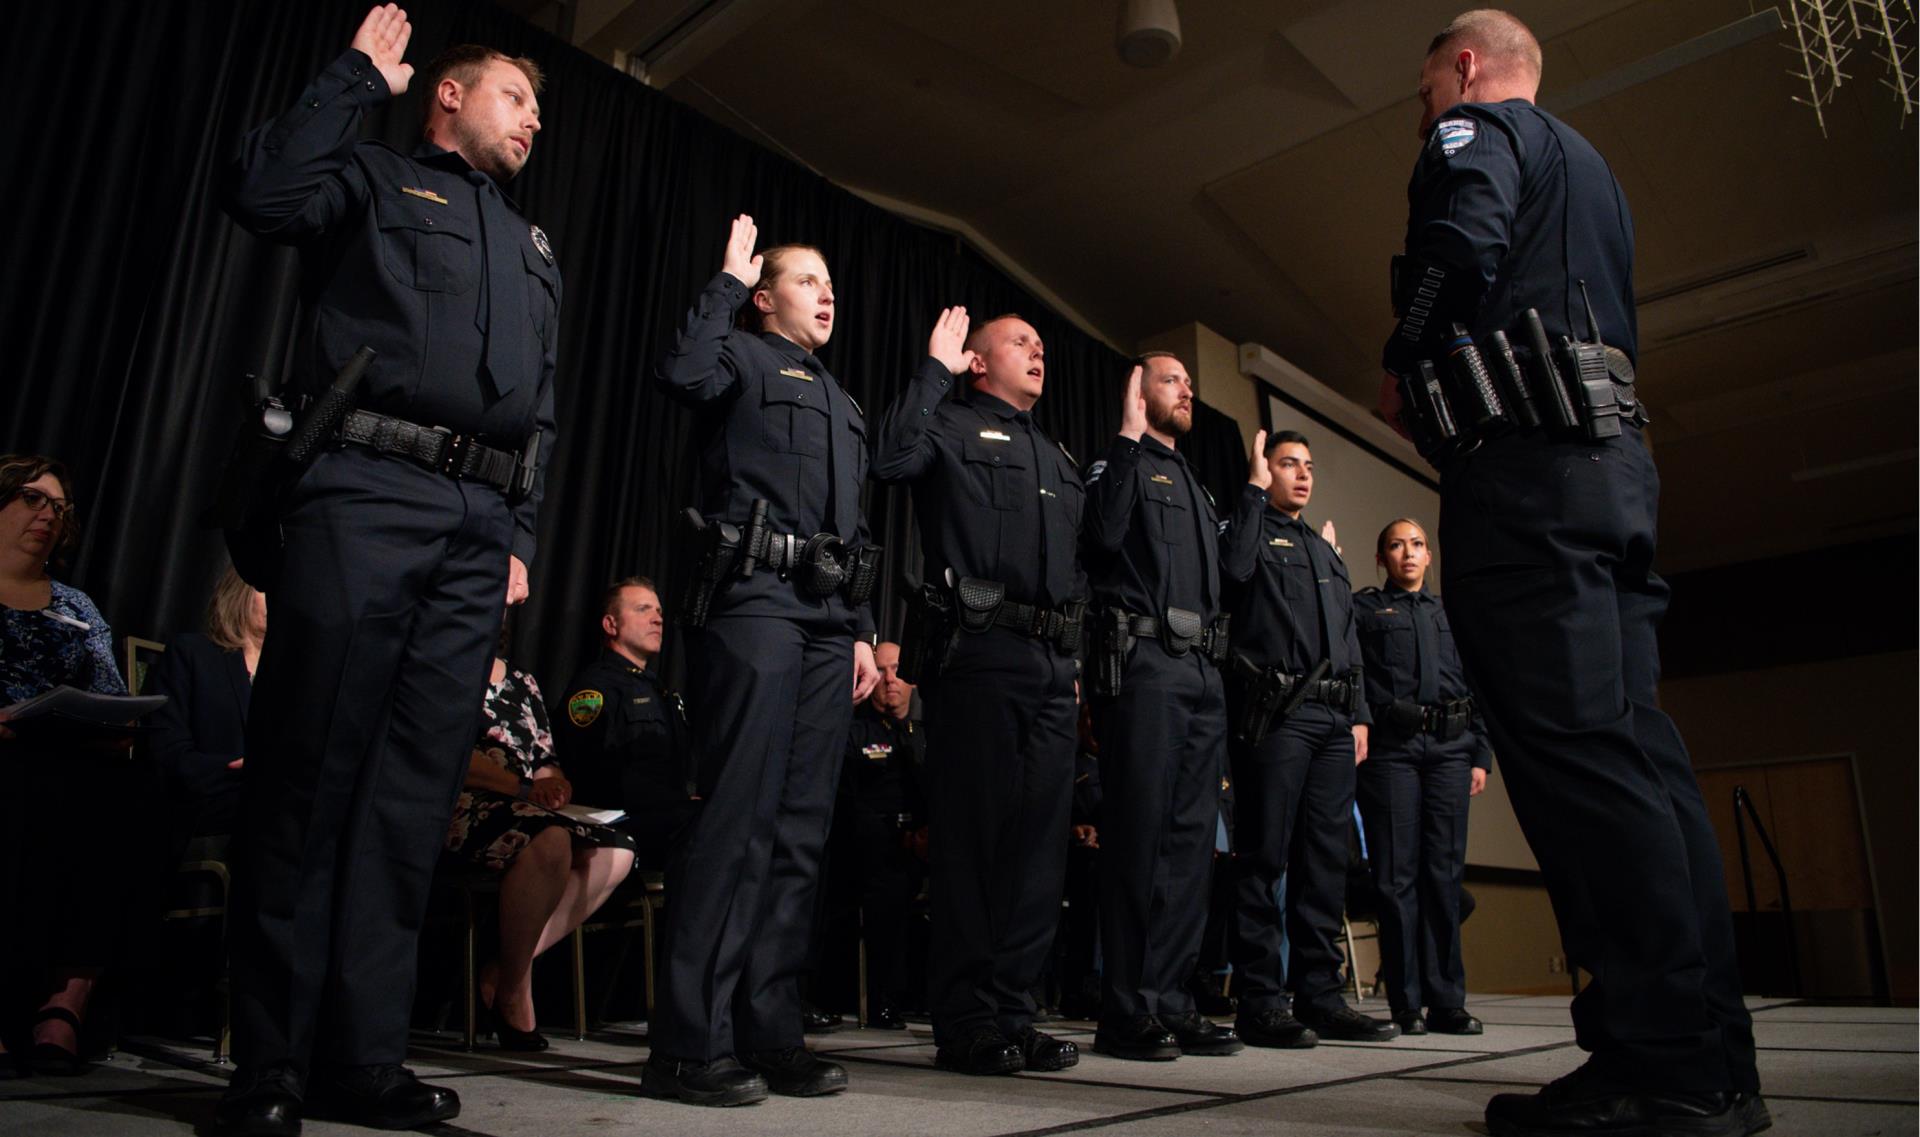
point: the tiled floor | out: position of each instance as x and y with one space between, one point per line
1828 1071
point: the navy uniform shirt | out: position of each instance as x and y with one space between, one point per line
1292 599
882 771
773 423
621 737
1150 536
1508 209
398 253
995 497
1389 620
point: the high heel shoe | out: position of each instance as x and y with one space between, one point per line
513 1038
51 1057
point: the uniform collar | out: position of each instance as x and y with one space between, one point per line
996 406
621 663
1394 591
793 351
1286 518
1153 445
451 162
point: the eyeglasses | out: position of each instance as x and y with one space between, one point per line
36 501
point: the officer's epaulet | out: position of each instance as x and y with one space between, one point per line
1214 504
854 401
1071 460
1369 590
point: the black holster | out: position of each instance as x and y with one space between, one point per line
1112 640
717 549
1259 692
927 640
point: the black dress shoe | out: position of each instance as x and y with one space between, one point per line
1043 1052
1411 1024
813 1020
379 1097
1202 1036
796 1072
982 1050
262 1105
1579 1103
885 1018
1275 1028
1346 1024
1449 1020
1141 1038
722 1081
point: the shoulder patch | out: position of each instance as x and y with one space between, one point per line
1453 135
584 706
1094 471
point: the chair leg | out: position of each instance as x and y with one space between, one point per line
646 930
1353 970
861 959
579 987
470 970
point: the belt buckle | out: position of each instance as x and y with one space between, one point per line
453 450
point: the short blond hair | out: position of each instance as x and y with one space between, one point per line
229 611
1498 37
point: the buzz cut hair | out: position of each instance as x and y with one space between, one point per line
977 338
1499 38
610 601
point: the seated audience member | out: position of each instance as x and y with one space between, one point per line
199 736
1077 945
555 870
64 875
622 733
872 874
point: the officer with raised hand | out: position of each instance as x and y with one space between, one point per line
1158 638
1300 726
1516 222
398 541
782 650
1000 618
1426 756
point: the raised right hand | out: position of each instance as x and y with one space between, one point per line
1259 474
383 37
948 343
1133 407
739 261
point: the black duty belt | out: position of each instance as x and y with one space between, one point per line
1338 693
1211 639
1050 624
458 456
1447 720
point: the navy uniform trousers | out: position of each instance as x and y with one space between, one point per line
771 700
1160 743
1413 803
1293 810
1554 604
365 708
1001 731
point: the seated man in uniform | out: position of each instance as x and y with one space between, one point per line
620 732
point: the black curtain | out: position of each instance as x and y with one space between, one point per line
134 309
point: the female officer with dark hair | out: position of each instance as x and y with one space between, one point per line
1425 759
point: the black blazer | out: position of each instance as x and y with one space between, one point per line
201 728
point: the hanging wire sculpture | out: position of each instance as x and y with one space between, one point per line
1825 33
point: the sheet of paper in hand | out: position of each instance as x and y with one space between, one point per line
69 709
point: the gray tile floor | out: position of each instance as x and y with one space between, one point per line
1829 1071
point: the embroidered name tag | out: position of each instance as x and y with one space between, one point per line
796 373
642 700
426 193
1162 479
1383 611
996 436
878 752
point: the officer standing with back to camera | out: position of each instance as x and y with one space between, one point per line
400 540
1516 224
780 648
621 734
998 629
1151 548
1299 726
1426 756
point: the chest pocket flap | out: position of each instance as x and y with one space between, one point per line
427 245
795 414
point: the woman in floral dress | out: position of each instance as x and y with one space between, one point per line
555 870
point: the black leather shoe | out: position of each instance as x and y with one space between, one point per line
885 1018
262 1105
1346 1024
982 1050
1449 1020
719 1082
796 1072
1141 1038
1202 1036
1043 1052
813 1020
1579 1103
1275 1028
1410 1023
379 1097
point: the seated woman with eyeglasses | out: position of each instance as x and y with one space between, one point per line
63 895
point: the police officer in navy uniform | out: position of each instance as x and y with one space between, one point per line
1554 603
872 868
1426 756
621 734
398 547
998 503
1151 549
1292 614
773 677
